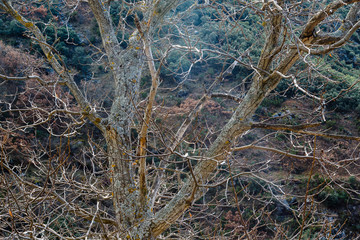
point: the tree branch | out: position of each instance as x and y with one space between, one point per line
284 127
225 95
341 40
322 15
336 136
32 77
155 81
74 209
240 121
61 70
300 128
347 24
272 150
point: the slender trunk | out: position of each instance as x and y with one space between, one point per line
143 198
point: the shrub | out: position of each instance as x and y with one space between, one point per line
354 183
333 198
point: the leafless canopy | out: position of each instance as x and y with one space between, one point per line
122 154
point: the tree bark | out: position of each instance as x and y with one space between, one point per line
130 199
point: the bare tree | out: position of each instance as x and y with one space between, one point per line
149 198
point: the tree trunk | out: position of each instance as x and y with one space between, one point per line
133 214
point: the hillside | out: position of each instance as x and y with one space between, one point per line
225 112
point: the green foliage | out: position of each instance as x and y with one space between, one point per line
255 187
177 62
68 35
10 28
348 102
1 26
284 88
333 198
184 6
226 36
311 233
144 95
250 137
280 137
317 180
15 29
41 134
354 183
330 124
203 28
340 93
70 48
275 101
80 59
69 44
